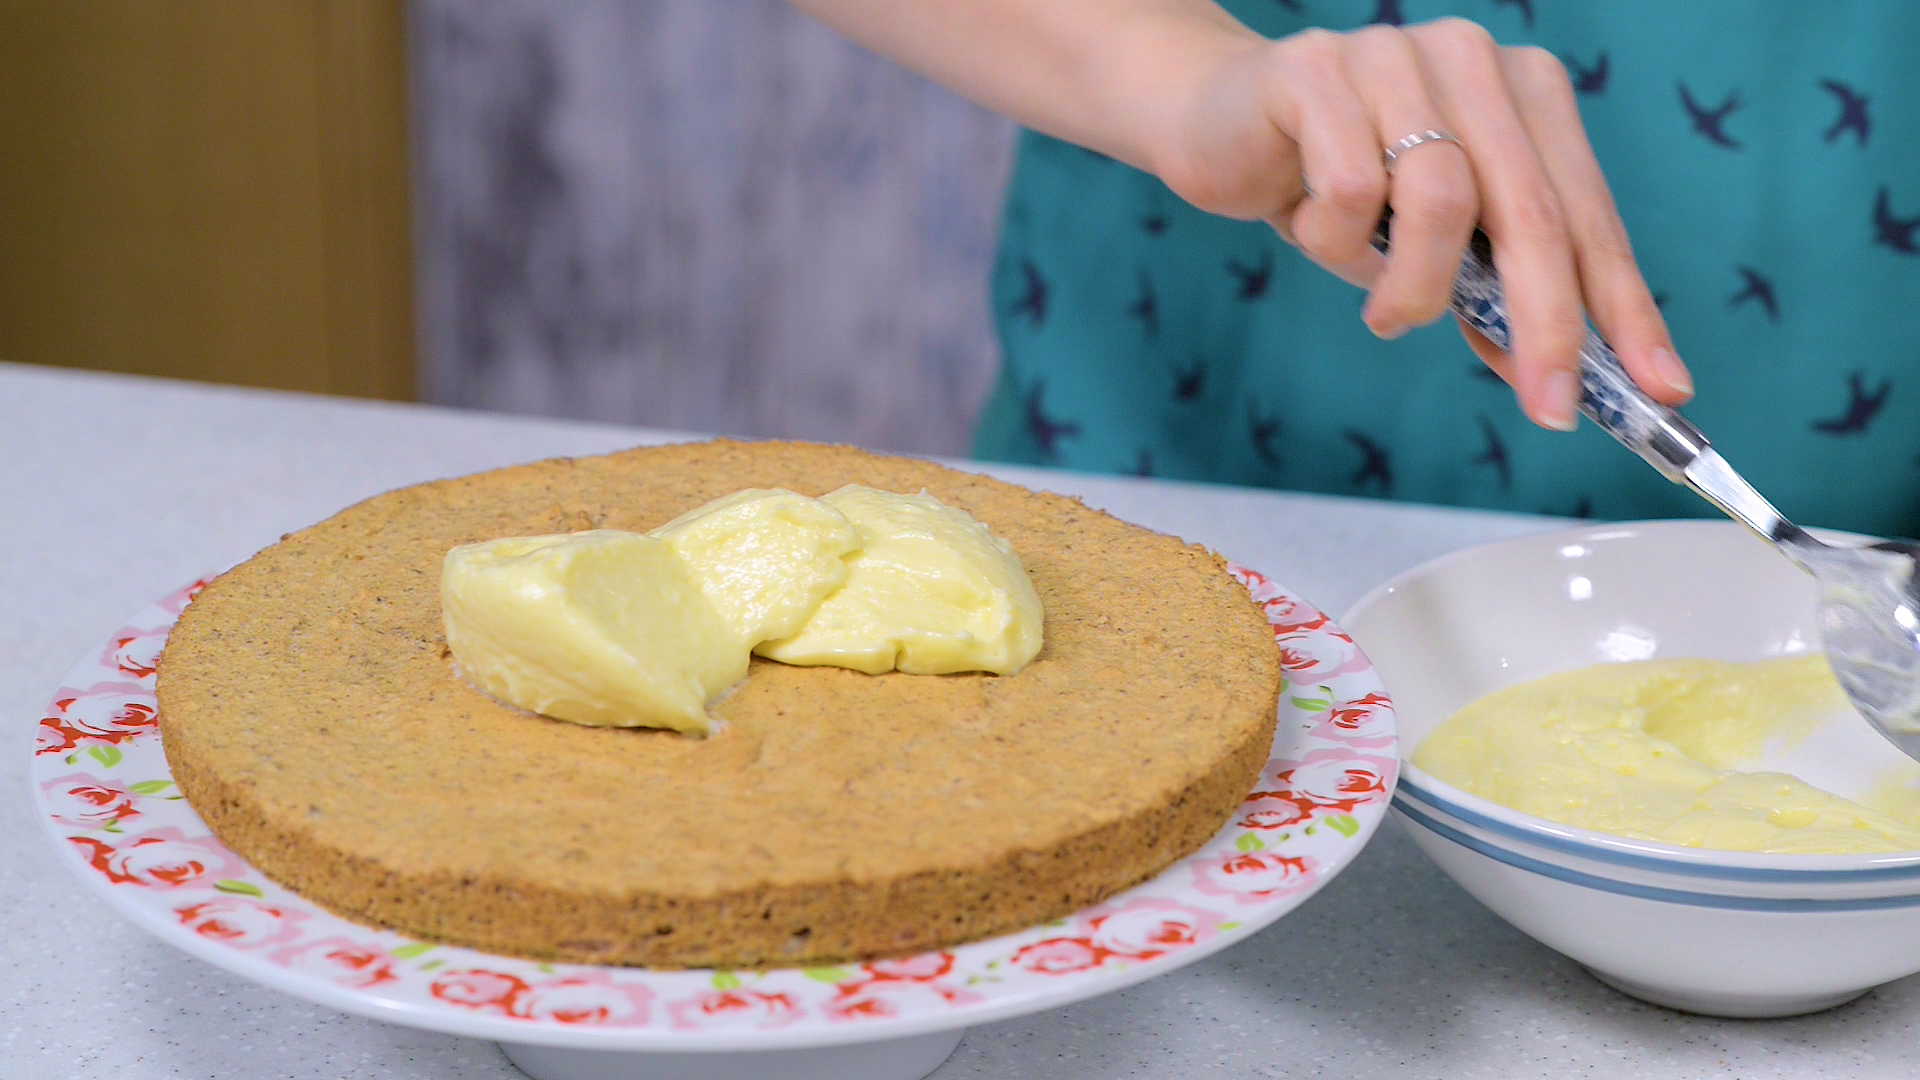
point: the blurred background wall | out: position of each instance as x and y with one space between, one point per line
685 213
214 189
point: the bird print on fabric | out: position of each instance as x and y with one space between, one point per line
1525 6
1142 463
1587 79
1261 431
1145 306
1894 232
1757 288
1709 123
1388 12
1294 6
1188 381
1032 301
1495 454
1252 279
1861 408
1045 430
1374 465
1853 112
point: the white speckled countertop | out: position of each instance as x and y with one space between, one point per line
114 491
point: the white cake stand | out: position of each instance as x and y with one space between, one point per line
106 796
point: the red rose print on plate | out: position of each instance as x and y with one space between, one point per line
113 716
1274 810
1340 779
161 859
1366 721
1314 653
1148 927
733 1009
588 999
243 924
339 960
478 989
921 968
86 802
134 652
1253 877
1059 956
880 998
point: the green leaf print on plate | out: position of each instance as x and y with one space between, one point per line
1249 842
828 975
725 980
408 952
108 756
150 787
1344 824
240 887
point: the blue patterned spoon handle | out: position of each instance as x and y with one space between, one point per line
1608 394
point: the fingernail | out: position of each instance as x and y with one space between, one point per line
1387 331
1668 369
1559 398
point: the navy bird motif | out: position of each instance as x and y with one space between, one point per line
1373 462
1853 112
1253 279
1583 508
1387 11
1862 407
1046 431
1525 6
1587 80
1261 430
1142 464
1294 6
1757 288
1896 233
1485 373
1154 223
1660 300
1032 302
1495 453
1188 381
1708 121
1146 306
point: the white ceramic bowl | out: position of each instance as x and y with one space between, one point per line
1721 933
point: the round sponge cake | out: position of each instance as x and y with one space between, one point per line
313 716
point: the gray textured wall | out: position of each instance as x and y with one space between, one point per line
701 214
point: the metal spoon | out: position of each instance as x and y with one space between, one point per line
1869 599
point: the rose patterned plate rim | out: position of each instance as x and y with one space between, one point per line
104 793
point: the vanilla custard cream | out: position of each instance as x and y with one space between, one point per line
1653 750
626 629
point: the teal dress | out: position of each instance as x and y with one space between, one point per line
1766 160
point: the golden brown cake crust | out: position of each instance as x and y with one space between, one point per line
312 716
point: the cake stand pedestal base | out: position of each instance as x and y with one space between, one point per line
893 1059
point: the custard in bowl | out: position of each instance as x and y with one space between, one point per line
1666 917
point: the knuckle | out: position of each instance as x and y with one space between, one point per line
1352 191
1538 63
1447 207
1536 219
1607 242
1313 46
1460 35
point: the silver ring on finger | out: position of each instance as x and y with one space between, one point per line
1393 152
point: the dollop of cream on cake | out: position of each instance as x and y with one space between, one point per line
624 629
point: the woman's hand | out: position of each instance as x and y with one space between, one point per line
1292 131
